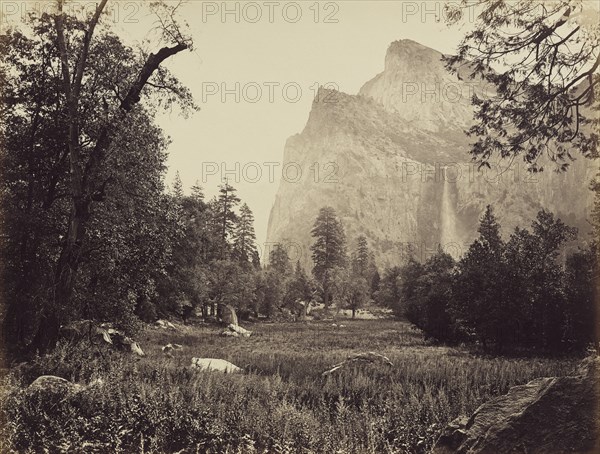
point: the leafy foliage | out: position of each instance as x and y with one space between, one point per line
541 59
503 295
84 217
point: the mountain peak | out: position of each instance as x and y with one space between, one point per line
406 52
416 85
408 44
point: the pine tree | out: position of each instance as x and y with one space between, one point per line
198 192
375 283
545 274
536 108
225 216
480 288
279 260
256 260
177 187
329 248
361 257
244 238
489 231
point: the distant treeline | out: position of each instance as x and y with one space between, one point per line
505 295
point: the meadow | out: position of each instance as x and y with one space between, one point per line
280 404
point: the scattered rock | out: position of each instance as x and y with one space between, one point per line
136 349
235 331
214 364
239 330
361 358
170 348
165 324
545 415
119 340
82 329
52 387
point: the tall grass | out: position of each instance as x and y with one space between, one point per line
282 404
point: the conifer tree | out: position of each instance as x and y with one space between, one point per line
328 250
244 238
225 215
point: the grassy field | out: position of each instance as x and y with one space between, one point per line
280 404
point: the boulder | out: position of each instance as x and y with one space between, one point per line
119 340
228 333
239 330
50 387
547 415
361 358
227 314
82 329
172 347
165 324
214 364
136 349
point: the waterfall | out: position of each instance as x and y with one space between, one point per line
449 236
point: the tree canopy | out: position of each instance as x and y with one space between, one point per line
82 171
329 248
541 59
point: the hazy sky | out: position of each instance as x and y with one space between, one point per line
345 48
267 45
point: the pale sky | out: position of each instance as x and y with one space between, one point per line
267 44
303 54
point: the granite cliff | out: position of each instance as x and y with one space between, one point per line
393 161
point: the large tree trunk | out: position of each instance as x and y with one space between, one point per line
66 271
82 174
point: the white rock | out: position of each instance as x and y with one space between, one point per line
238 329
135 348
214 364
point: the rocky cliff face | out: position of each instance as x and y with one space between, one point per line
393 161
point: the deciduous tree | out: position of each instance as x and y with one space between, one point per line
542 60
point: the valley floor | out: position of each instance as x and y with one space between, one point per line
281 403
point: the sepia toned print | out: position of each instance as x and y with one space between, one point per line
300 226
